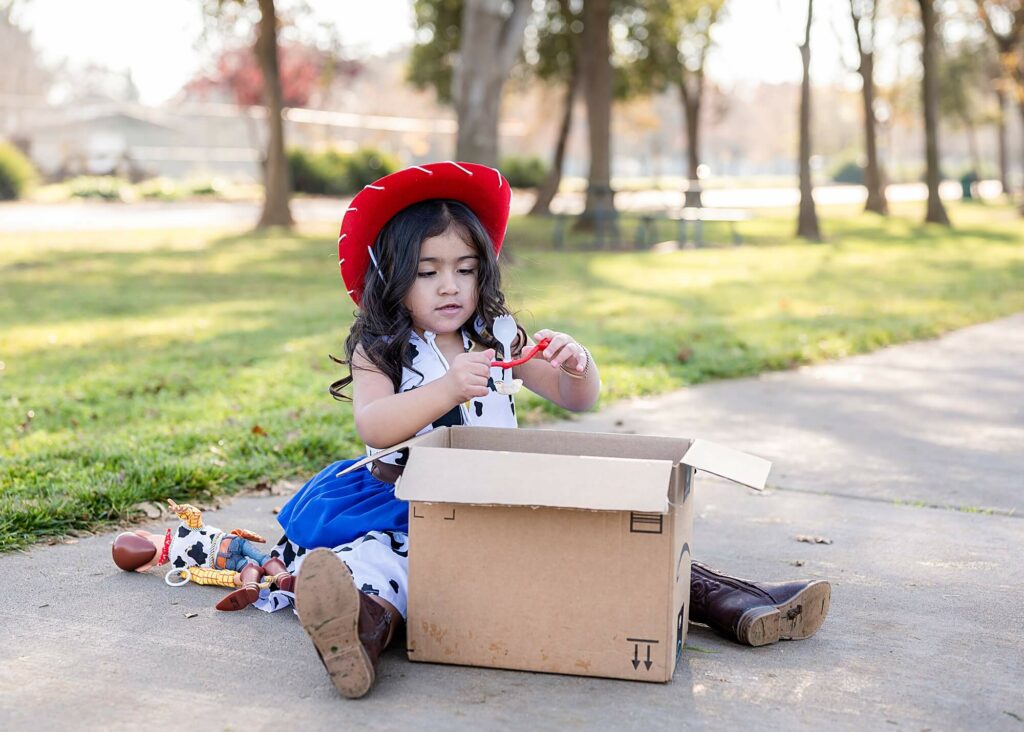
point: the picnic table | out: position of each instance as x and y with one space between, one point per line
646 234
688 220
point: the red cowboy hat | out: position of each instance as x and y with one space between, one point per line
484 190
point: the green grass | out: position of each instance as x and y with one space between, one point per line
145 365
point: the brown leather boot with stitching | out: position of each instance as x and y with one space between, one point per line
278 572
348 628
249 593
757 613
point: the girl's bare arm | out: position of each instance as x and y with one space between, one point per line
543 376
384 418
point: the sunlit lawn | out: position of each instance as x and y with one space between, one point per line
145 365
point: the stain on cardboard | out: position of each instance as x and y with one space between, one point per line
433 631
498 648
584 666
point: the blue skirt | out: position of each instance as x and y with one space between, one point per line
330 510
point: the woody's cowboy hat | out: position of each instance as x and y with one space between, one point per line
482 189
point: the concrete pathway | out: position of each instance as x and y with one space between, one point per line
927 606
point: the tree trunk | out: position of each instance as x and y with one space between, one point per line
807 222
691 113
600 205
936 213
873 175
1020 110
972 144
547 190
490 44
1004 157
277 187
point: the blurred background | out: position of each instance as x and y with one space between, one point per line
129 100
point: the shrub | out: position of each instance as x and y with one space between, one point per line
848 172
524 172
16 173
367 165
333 172
207 187
159 189
105 187
308 175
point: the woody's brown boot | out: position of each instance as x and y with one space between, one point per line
757 613
249 593
348 628
279 573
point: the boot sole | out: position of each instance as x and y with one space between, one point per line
759 626
794 620
327 603
802 616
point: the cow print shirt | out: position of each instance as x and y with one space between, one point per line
493 410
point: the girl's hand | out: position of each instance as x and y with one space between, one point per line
467 375
562 350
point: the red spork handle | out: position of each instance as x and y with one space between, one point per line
537 348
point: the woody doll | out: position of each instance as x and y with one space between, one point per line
205 555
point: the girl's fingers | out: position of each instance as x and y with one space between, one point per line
558 348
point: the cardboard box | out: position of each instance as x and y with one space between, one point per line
561 552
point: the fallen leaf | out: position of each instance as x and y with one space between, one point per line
285 487
798 563
152 509
191 615
275 510
808 539
45 605
257 430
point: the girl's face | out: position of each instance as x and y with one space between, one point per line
444 294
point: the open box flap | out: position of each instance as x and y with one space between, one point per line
435 437
492 477
739 467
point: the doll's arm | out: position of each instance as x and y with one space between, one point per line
189 514
246 534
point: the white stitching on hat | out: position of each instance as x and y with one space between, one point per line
428 172
499 176
350 291
341 261
370 250
467 172
341 237
350 208
376 188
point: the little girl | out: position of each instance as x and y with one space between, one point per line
418 253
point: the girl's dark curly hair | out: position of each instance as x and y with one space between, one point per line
383 324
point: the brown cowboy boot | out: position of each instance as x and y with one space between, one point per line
348 628
758 613
249 593
279 573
